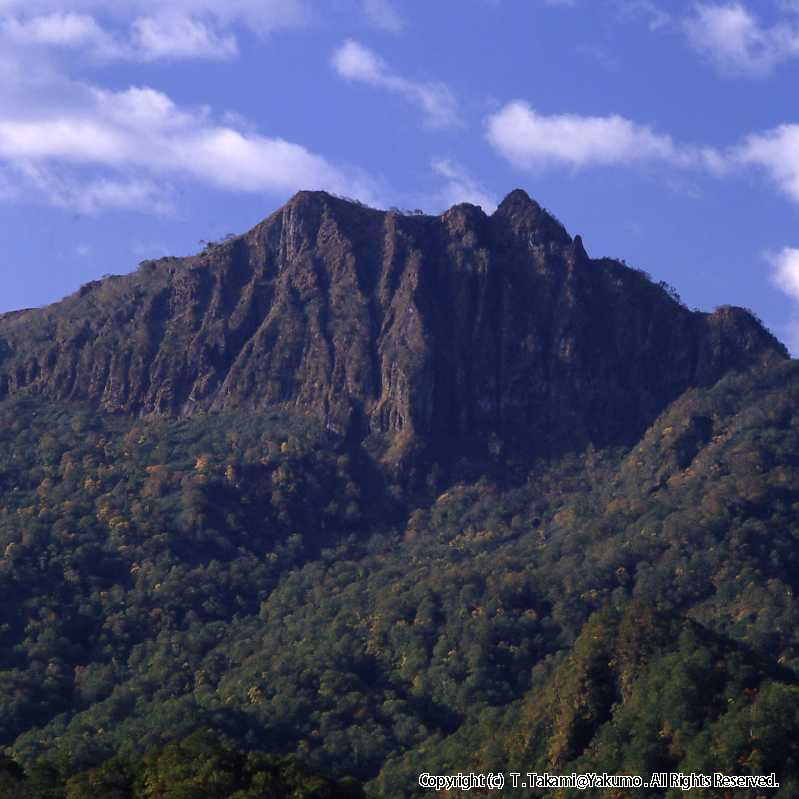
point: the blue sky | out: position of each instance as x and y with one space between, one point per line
666 133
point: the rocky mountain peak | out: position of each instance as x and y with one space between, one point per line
401 326
517 201
528 220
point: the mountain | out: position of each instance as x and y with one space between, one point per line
593 567
380 323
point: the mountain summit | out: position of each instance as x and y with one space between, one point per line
385 323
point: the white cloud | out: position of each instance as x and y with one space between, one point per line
776 151
529 139
785 277
167 36
460 187
145 30
259 15
68 138
105 193
58 28
80 146
64 189
382 14
785 271
175 37
239 162
735 40
355 62
139 138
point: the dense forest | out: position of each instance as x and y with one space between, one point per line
628 609
200 766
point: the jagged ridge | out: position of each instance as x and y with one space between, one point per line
383 323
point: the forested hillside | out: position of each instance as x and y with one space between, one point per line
200 767
629 610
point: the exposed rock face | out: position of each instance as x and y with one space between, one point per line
410 325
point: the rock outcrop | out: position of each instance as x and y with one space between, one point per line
402 325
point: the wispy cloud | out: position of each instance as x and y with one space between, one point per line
460 187
382 14
735 40
353 61
144 30
727 32
652 12
62 188
175 37
59 28
168 36
261 15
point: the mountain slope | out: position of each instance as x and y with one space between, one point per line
377 322
225 571
607 580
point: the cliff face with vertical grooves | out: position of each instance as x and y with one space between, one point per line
409 326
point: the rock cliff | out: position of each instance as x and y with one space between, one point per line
378 322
